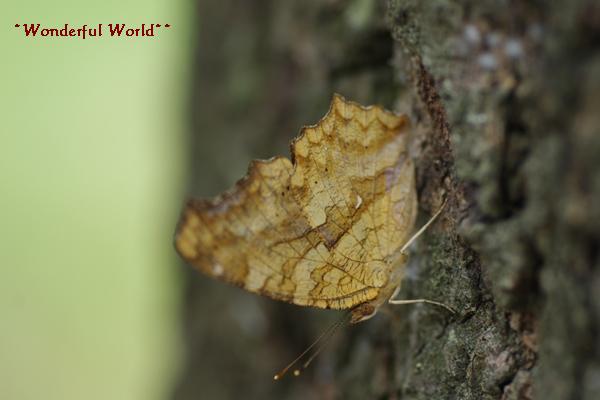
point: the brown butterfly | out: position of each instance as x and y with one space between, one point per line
328 228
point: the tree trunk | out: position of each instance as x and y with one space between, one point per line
504 97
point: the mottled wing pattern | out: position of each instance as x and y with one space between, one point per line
317 230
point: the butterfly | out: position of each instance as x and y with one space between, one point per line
328 228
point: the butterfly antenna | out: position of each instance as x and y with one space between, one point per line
335 327
323 339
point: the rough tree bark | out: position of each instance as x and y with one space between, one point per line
505 101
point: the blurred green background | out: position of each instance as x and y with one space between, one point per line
101 141
91 173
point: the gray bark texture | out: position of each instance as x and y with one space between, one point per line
504 98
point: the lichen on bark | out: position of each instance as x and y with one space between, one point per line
503 74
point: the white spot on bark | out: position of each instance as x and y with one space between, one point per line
487 61
513 48
472 34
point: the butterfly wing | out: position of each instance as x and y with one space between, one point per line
316 230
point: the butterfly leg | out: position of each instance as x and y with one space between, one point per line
437 303
423 228
404 252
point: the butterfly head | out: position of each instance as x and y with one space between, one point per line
363 312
